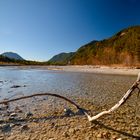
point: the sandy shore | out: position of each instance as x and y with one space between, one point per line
50 122
121 70
97 69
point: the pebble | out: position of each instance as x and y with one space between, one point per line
18 110
28 114
15 86
13 114
5 127
1 138
99 135
72 130
1 120
24 127
68 112
12 119
65 134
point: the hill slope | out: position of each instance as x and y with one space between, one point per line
62 58
122 48
12 55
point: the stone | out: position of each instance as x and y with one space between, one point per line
65 134
99 135
18 110
13 114
28 114
15 86
1 138
24 127
72 130
6 128
1 120
12 125
12 119
114 137
68 112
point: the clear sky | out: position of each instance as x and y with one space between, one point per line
39 29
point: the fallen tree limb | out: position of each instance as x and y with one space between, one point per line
122 101
5 102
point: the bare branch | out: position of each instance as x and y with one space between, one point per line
40 94
122 101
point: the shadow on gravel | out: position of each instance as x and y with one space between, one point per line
19 122
39 119
118 131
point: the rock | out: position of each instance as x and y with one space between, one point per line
15 86
12 119
106 134
65 134
72 130
12 125
99 135
51 139
13 114
1 120
6 128
24 127
12 138
28 114
119 139
68 112
114 137
18 110
1 138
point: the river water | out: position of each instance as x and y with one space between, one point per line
98 87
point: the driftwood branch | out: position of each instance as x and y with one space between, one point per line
122 101
40 94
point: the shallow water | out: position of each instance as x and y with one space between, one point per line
98 87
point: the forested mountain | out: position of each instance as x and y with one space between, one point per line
122 48
12 55
62 58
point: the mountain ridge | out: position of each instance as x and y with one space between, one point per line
61 58
12 55
122 48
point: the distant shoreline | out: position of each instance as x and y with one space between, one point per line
121 70
4 65
97 69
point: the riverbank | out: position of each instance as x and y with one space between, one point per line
121 70
98 69
45 118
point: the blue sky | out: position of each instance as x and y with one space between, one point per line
39 29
